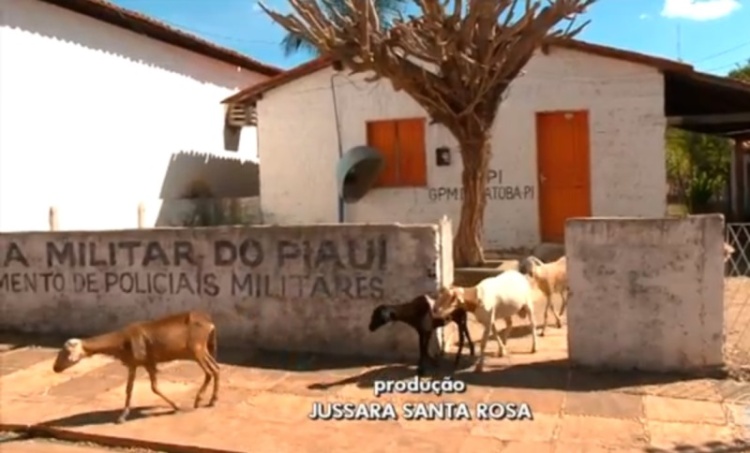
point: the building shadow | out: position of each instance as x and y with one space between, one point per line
242 357
548 375
217 176
363 371
396 372
195 184
515 332
561 375
18 340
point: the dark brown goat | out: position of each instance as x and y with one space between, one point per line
417 314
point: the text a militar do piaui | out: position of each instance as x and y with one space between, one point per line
246 267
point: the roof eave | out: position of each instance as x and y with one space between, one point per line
662 64
139 23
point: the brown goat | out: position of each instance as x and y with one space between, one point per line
550 278
184 336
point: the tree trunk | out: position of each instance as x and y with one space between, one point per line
467 245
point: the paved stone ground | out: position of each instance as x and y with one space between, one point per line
265 400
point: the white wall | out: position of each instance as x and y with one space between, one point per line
298 145
93 114
646 294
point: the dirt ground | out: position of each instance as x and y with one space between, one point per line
266 398
737 322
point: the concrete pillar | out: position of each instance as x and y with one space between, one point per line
646 293
738 164
141 215
53 219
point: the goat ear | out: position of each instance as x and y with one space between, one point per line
137 345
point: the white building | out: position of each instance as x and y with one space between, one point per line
102 108
580 134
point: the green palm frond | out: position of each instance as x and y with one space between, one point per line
387 11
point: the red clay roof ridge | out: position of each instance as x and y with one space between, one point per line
136 22
319 63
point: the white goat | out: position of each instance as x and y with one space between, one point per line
550 278
728 252
502 296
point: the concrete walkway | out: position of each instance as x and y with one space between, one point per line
266 398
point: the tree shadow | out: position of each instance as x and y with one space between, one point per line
105 417
562 375
548 375
366 379
515 332
735 446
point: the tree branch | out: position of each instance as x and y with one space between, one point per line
456 64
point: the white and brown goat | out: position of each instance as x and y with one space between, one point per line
502 296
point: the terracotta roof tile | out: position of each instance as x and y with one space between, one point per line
142 24
285 77
317 64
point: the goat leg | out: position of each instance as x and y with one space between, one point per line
483 345
433 359
532 320
460 348
424 340
547 308
215 370
500 344
554 313
443 341
207 380
464 331
152 372
502 350
128 395
564 294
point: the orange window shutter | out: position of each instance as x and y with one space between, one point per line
381 135
412 153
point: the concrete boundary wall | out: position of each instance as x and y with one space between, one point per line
646 293
305 288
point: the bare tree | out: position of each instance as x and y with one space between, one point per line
387 10
456 60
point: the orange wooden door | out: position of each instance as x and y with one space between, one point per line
563 164
381 135
411 148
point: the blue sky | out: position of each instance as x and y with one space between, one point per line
711 34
